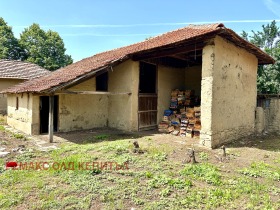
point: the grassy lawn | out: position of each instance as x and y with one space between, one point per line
156 179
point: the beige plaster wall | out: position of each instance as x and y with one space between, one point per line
193 76
123 109
35 114
78 112
229 77
208 59
4 84
26 117
117 111
168 80
88 85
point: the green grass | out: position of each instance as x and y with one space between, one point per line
19 136
261 169
15 135
204 171
153 181
2 119
203 156
102 137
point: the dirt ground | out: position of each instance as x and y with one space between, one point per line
239 153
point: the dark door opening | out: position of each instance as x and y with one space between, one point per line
148 78
147 107
44 114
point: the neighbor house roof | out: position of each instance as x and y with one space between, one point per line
11 69
190 34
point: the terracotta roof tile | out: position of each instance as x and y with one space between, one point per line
20 70
80 68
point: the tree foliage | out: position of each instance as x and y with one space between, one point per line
9 46
45 48
268 40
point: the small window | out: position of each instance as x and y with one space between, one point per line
102 82
16 103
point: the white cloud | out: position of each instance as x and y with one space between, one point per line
273 7
109 35
154 24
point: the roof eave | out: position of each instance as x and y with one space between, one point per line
263 57
77 80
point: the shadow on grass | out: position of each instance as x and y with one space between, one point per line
101 134
265 142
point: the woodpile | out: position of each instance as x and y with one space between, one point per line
197 125
183 116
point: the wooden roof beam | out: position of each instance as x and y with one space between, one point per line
170 51
180 57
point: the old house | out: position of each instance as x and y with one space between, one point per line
129 88
14 72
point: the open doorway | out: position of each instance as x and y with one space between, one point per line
44 114
147 107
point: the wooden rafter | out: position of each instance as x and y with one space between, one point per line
169 51
180 57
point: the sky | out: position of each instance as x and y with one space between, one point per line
92 26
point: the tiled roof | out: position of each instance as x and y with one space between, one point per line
20 70
77 70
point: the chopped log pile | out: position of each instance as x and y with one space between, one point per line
183 116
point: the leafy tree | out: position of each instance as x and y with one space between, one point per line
44 48
268 40
55 52
32 41
244 35
9 46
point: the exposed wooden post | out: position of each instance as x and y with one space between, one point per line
224 151
51 108
136 147
191 155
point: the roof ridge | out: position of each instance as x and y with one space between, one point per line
19 61
210 25
103 59
16 69
218 25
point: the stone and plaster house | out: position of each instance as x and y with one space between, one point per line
14 72
129 88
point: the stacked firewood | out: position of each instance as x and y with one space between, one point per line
189 98
182 119
197 125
